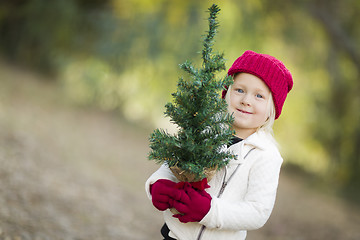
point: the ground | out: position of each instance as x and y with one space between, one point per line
76 173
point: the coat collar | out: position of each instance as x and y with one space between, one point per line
258 140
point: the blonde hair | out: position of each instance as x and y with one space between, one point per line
267 126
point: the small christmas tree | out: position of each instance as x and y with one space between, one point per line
200 114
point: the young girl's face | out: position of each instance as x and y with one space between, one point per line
249 97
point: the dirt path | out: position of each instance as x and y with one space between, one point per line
73 173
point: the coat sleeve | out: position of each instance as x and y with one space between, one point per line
254 210
162 173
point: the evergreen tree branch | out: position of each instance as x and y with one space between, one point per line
200 114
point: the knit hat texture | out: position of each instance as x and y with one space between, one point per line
271 70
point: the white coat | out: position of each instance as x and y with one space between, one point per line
248 199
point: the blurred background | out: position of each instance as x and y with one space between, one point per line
84 83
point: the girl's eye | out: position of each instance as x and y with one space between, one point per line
259 96
239 90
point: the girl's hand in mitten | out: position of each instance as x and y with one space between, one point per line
161 191
193 205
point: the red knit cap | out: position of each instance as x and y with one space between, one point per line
272 71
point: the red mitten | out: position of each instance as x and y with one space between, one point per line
161 191
200 185
193 205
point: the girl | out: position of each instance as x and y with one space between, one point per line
241 196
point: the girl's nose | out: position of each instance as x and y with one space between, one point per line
245 100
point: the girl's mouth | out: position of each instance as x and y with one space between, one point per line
242 111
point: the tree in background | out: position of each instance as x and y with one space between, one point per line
341 111
101 51
33 32
334 120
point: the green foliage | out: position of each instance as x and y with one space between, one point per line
33 32
108 52
200 114
326 92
